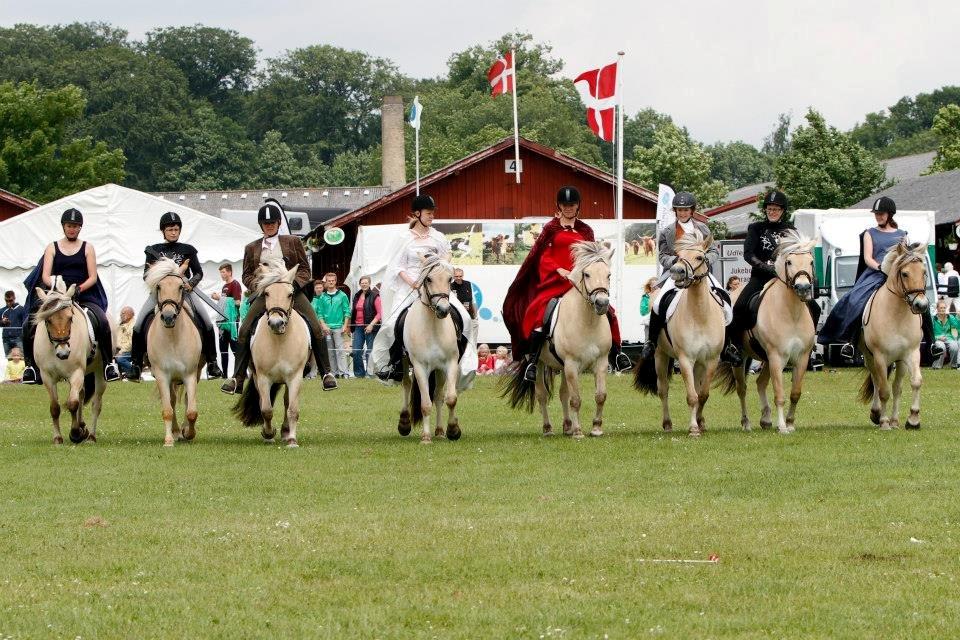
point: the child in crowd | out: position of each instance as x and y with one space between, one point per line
501 360
485 360
15 366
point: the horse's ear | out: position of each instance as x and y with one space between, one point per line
71 291
608 255
707 242
41 294
291 274
182 269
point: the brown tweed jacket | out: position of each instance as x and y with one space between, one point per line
293 255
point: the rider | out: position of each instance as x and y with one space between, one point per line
844 322
179 252
75 263
544 275
400 285
684 205
290 248
763 237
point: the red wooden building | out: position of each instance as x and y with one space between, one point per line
13 205
480 187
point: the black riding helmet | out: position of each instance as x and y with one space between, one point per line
883 204
778 198
270 212
421 202
684 200
170 219
72 216
568 195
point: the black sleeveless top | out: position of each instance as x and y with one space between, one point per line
73 270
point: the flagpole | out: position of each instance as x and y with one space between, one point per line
516 128
416 144
619 205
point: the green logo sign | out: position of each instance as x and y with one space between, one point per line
334 235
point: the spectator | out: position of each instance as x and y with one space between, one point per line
333 309
15 365
946 331
365 320
464 291
951 286
502 360
230 297
733 283
125 340
650 288
486 363
11 320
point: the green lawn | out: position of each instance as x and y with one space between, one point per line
836 531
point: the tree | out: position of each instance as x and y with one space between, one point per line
277 167
676 160
639 130
946 125
778 142
738 164
825 168
38 158
467 69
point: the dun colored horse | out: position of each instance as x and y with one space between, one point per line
580 342
62 348
430 341
783 336
279 353
174 349
693 335
892 333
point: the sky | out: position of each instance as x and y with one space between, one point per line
725 70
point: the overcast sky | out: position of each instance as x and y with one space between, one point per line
723 69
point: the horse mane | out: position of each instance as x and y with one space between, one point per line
430 260
793 242
162 268
691 241
56 301
586 253
902 253
270 271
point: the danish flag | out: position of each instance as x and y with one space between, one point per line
598 90
500 74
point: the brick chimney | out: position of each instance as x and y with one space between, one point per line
394 167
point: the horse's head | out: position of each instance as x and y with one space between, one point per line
591 273
906 271
276 284
435 277
165 278
56 312
794 264
691 265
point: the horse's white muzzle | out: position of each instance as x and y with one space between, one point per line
601 303
63 353
277 324
804 290
920 304
169 319
442 309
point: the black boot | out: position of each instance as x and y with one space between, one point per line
393 371
533 355
137 349
650 346
619 361
731 354
31 375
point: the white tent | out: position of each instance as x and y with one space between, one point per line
119 222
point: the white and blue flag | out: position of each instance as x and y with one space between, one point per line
415 110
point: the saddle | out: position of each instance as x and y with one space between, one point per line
457 325
92 328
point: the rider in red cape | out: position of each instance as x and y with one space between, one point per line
543 276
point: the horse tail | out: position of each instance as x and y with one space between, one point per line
247 407
520 392
645 375
866 390
415 398
89 387
724 379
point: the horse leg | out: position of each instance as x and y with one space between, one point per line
662 365
405 424
693 398
916 380
421 376
575 400
100 386
291 401
167 407
881 391
600 396
450 399
540 390
51 386
188 430
266 408
285 425
775 363
799 370
763 379
74 405
438 391
740 375
565 404
704 392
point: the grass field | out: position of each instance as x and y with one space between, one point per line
836 531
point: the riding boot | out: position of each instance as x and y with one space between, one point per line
138 347
815 312
537 338
731 354
242 355
926 325
650 346
210 352
394 368
322 356
31 375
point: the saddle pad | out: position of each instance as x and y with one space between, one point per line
673 301
91 323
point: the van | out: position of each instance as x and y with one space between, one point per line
298 221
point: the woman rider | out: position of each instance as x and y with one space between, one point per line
75 263
543 276
399 291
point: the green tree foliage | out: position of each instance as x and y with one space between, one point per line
738 164
778 142
277 167
679 161
946 124
39 159
904 127
825 168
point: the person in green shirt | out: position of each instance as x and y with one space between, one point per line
333 310
946 330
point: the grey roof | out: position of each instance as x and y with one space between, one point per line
737 220
939 192
908 167
316 202
747 191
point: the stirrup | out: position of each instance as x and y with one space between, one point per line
731 354
936 351
391 372
622 362
231 386
29 376
111 372
847 351
530 372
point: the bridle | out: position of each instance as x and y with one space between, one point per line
59 341
433 299
690 275
283 312
590 294
909 295
791 280
177 304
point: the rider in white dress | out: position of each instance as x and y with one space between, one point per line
397 292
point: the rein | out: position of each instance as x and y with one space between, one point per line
908 295
177 304
690 276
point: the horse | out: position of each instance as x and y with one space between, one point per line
431 349
890 336
279 353
174 349
693 335
784 334
580 342
62 349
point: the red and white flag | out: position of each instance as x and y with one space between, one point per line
500 75
598 90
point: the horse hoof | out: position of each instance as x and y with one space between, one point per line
912 426
58 440
292 443
694 433
189 436
886 427
92 439
168 441
453 432
596 432
267 435
783 431
668 426
875 417
284 432
404 429
438 433
766 424
77 436
426 440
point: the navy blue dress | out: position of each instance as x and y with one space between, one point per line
845 317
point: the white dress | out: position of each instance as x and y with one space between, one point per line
396 295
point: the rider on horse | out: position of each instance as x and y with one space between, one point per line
179 252
290 249
684 205
542 277
74 262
